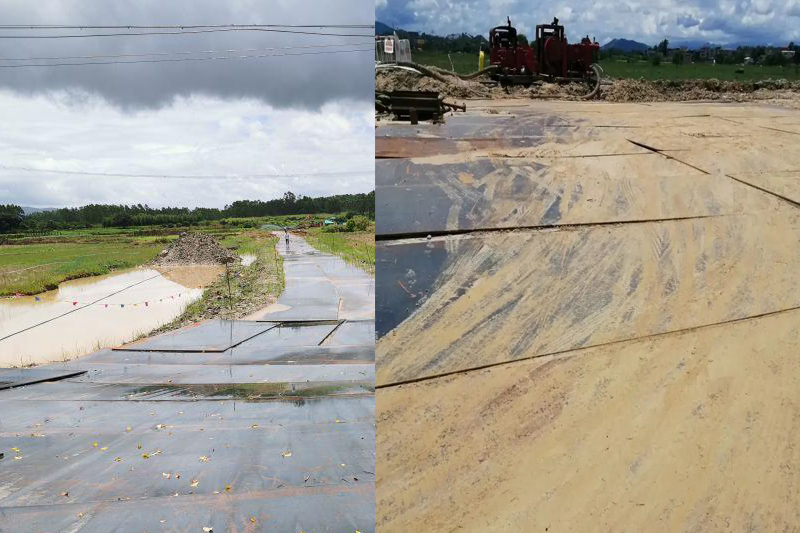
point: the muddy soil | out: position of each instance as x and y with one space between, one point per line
194 249
625 90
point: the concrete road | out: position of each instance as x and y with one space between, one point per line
588 318
259 425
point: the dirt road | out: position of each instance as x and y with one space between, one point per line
589 318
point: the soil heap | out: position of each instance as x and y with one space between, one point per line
194 249
613 90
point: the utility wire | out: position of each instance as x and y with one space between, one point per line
178 26
196 52
179 176
178 60
182 32
77 308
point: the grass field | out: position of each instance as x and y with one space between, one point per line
461 63
31 263
467 63
357 248
668 71
34 268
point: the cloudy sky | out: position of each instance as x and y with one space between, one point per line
186 133
718 21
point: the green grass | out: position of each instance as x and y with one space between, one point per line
34 268
467 63
251 287
668 71
357 248
462 63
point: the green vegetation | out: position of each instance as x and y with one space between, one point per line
116 216
252 287
357 248
31 268
638 66
670 71
463 63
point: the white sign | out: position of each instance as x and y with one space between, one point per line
388 46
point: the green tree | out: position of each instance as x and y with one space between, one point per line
11 218
663 46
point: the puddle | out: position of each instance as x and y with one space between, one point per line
131 302
192 276
247 259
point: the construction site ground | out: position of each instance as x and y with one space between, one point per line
589 318
254 425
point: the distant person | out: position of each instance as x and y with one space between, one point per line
286 234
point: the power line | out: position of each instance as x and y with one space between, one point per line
151 54
178 60
182 32
176 26
184 176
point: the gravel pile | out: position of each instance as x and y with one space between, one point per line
194 249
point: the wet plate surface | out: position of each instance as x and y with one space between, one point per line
667 301
208 336
17 377
267 430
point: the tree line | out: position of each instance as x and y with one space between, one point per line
13 218
764 55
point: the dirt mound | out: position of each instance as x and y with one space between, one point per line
194 249
624 90
683 90
405 80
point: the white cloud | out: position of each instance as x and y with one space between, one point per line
193 136
729 21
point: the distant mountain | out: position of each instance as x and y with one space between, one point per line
29 210
625 45
383 29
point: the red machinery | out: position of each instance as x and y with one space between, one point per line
550 58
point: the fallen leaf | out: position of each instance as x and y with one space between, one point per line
287 454
203 459
138 446
128 429
254 426
227 488
118 459
104 448
166 474
14 449
145 456
160 426
252 519
65 494
208 529
17 458
194 482
94 444
339 421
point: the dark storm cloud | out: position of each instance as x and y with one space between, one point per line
687 21
306 81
